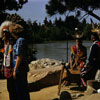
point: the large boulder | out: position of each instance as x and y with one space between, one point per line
41 78
43 73
44 63
93 85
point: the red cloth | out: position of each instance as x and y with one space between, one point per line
8 72
74 50
99 43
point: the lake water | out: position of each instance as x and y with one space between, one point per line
57 50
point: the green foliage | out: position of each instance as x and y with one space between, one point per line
50 31
2 17
87 31
61 6
11 4
71 23
56 31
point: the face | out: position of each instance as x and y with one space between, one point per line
78 42
92 38
14 36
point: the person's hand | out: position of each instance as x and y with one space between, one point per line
85 66
14 74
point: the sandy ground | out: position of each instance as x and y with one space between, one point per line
3 90
49 93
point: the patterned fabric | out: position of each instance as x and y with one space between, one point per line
7 61
7 54
74 49
79 53
8 72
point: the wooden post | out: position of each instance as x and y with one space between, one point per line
61 75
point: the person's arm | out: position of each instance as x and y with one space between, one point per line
71 58
84 57
18 61
73 62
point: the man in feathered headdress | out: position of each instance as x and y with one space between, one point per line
78 54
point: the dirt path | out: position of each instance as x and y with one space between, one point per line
49 93
3 90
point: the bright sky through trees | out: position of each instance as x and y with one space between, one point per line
35 10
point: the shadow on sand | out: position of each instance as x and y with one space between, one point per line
78 88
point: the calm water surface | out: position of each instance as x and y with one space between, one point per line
57 50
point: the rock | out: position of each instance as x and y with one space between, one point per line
43 72
90 90
44 63
46 72
98 91
92 87
45 77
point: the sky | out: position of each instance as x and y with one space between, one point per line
35 11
